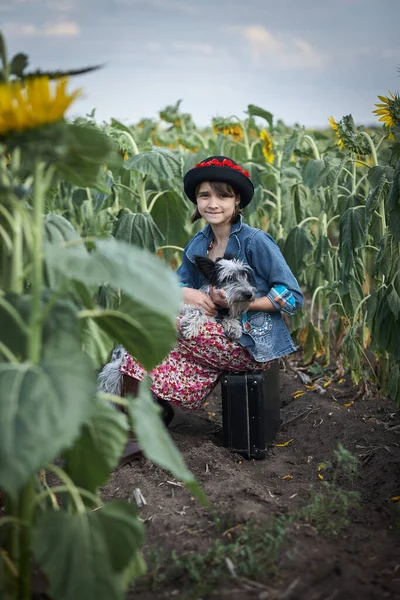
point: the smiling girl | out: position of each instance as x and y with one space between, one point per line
220 188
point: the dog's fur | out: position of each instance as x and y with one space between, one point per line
235 278
110 378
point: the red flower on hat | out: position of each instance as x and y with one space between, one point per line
223 163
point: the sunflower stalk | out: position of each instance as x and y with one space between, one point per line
279 194
326 328
34 353
313 146
4 59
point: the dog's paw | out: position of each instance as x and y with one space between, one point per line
232 329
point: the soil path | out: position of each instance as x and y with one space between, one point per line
362 561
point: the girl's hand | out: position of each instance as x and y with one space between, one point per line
200 299
218 297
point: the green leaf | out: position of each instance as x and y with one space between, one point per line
42 408
145 334
171 214
138 229
160 164
136 568
352 351
394 383
300 201
155 441
312 172
72 552
297 247
87 150
122 532
136 272
18 64
385 328
97 450
321 251
96 343
57 229
393 205
313 345
291 145
352 236
394 302
256 111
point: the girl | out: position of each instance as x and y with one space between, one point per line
220 188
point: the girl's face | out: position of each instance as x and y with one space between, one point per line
214 207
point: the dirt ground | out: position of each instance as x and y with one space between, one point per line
187 545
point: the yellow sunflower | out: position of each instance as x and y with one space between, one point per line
35 102
266 138
388 110
235 131
335 128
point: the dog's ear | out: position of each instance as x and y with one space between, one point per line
206 267
228 256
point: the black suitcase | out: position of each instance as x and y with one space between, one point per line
251 410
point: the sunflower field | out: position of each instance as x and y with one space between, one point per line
93 222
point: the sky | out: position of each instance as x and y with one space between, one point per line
302 60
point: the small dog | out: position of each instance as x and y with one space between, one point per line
235 278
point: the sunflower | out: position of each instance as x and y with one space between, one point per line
336 129
267 146
388 110
228 128
235 131
35 102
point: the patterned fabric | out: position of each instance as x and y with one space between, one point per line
282 299
191 370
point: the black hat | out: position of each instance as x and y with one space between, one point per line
219 168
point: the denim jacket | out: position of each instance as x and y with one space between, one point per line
265 334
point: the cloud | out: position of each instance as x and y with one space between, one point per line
56 29
204 49
168 5
282 51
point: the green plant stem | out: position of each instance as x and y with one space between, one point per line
143 199
270 193
279 194
359 182
124 187
4 58
314 296
66 489
69 485
372 146
354 178
35 333
172 247
131 139
313 145
246 140
307 220
156 197
34 351
331 220
6 352
25 508
17 265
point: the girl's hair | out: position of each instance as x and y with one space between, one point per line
221 188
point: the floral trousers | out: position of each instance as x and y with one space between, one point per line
192 368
